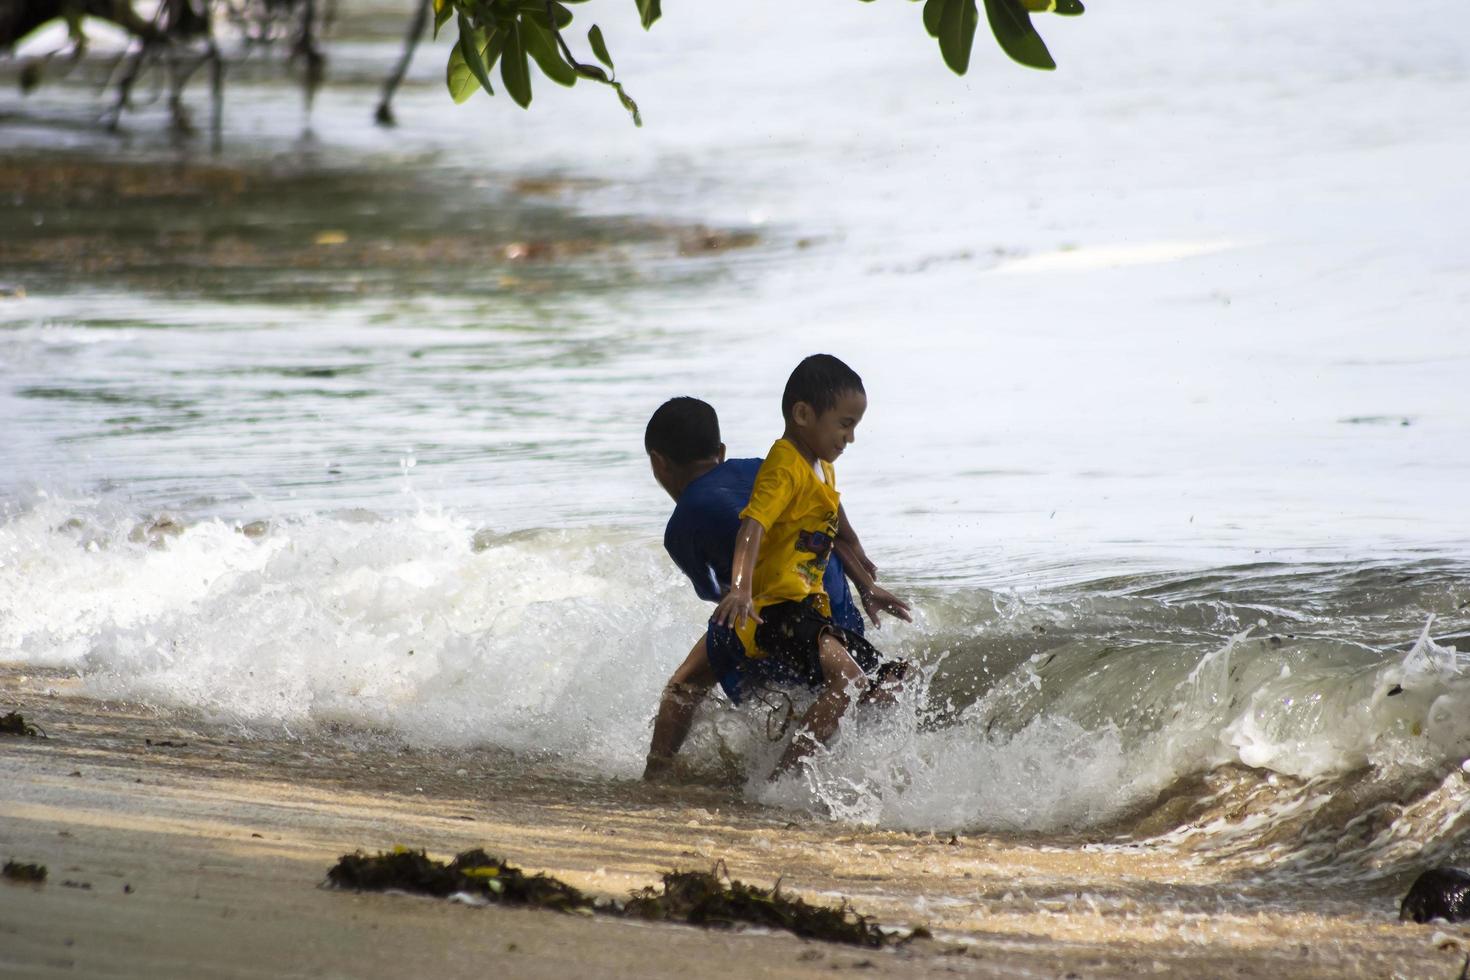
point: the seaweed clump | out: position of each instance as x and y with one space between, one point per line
704 898
473 872
26 873
12 723
710 899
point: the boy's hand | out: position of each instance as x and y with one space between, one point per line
734 610
878 599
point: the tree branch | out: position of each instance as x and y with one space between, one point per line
384 115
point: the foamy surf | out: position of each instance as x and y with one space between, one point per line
1120 256
1081 708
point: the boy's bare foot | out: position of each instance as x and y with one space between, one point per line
669 770
658 769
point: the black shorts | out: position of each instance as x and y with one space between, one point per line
790 636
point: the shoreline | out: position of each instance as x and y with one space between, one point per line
193 850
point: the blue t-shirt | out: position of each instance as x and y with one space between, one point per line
701 533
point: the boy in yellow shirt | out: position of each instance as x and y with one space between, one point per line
776 601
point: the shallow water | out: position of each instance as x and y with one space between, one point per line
1164 355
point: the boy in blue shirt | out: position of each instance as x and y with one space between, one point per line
688 461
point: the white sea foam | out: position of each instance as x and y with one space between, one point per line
560 641
1052 774
1098 257
555 641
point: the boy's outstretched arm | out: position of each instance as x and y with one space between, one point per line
875 598
738 605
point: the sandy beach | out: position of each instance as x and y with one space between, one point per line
180 848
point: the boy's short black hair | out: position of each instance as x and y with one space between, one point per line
684 430
819 381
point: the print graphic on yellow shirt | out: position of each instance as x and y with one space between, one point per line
799 514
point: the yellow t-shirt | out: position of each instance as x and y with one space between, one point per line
799 514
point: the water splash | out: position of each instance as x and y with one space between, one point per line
1096 706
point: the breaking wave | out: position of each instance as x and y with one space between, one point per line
1307 711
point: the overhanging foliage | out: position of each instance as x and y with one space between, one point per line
504 38
518 33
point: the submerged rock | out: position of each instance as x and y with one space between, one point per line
1439 893
703 241
155 533
255 529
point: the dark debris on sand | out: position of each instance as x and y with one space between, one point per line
24 873
13 724
711 899
474 872
704 898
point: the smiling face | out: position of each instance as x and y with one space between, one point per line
825 435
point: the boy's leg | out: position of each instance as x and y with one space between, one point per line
841 678
885 677
886 683
682 694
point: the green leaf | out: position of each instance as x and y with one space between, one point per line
648 12
599 46
542 46
514 71
1069 8
629 104
490 53
933 11
471 43
443 10
461 81
957 33
1012 28
537 8
538 14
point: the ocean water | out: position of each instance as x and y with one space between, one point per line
1165 355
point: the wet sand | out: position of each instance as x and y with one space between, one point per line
179 847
